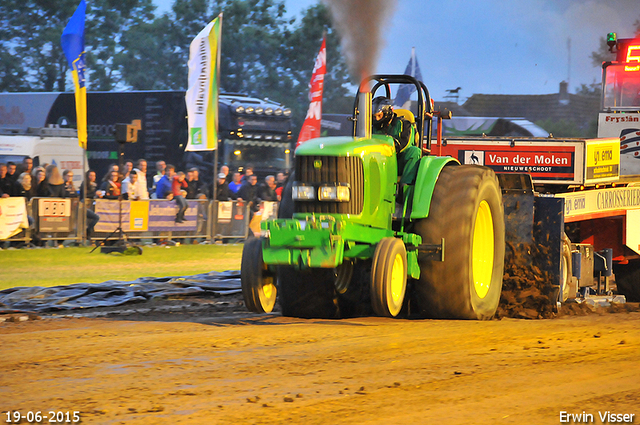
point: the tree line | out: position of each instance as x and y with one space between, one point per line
131 47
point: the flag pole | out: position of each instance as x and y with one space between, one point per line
215 154
202 93
72 43
215 175
84 197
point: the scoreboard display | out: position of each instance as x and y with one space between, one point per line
628 51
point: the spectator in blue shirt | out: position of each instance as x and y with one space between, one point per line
163 185
235 185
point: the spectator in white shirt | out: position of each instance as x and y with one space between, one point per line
141 188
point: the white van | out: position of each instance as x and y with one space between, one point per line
57 146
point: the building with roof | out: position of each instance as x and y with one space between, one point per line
562 106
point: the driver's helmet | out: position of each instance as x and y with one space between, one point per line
381 104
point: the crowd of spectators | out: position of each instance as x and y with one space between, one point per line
245 187
131 183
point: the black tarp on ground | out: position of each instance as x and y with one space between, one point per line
114 293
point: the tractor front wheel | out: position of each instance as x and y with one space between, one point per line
258 283
388 277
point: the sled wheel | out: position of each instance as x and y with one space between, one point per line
307 293
258 284
388 277
568 286
467 211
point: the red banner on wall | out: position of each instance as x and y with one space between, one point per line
311 127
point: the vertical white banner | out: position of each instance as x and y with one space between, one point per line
202 93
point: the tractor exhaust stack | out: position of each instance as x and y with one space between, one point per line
364 113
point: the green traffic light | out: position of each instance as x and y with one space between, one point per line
612 40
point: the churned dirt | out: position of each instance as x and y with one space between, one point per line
216 364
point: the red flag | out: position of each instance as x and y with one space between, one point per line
311 127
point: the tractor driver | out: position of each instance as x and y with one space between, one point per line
385 121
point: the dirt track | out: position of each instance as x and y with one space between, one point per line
269 369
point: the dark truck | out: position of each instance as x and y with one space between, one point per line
252 131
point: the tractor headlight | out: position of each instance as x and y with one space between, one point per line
287 112
334 193
240 109
303 193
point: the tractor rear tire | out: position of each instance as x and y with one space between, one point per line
467 211
285 208
307 293
388 277
258 283
628 280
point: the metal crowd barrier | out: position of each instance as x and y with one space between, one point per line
51 221
59 220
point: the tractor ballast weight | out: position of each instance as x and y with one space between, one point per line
344 252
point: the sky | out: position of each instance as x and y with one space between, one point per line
495 46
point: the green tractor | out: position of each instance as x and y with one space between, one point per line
344 250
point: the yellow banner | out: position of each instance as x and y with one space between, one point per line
603 159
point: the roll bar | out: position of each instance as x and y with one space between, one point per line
425 108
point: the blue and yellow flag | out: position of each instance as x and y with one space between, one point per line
203 87
73 47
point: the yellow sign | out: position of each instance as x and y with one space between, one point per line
603 159
139 216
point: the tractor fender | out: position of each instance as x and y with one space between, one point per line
428 172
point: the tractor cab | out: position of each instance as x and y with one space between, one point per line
381 86
408 135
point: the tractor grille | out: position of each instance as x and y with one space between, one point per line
318 170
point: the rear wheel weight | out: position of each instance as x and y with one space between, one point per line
258 284
388 277
467 211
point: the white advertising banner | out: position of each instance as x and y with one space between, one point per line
202 93
13 217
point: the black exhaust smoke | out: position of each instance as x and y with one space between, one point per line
360 24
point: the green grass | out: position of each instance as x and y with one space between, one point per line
51 267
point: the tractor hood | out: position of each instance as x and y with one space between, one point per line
347 146
366 165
